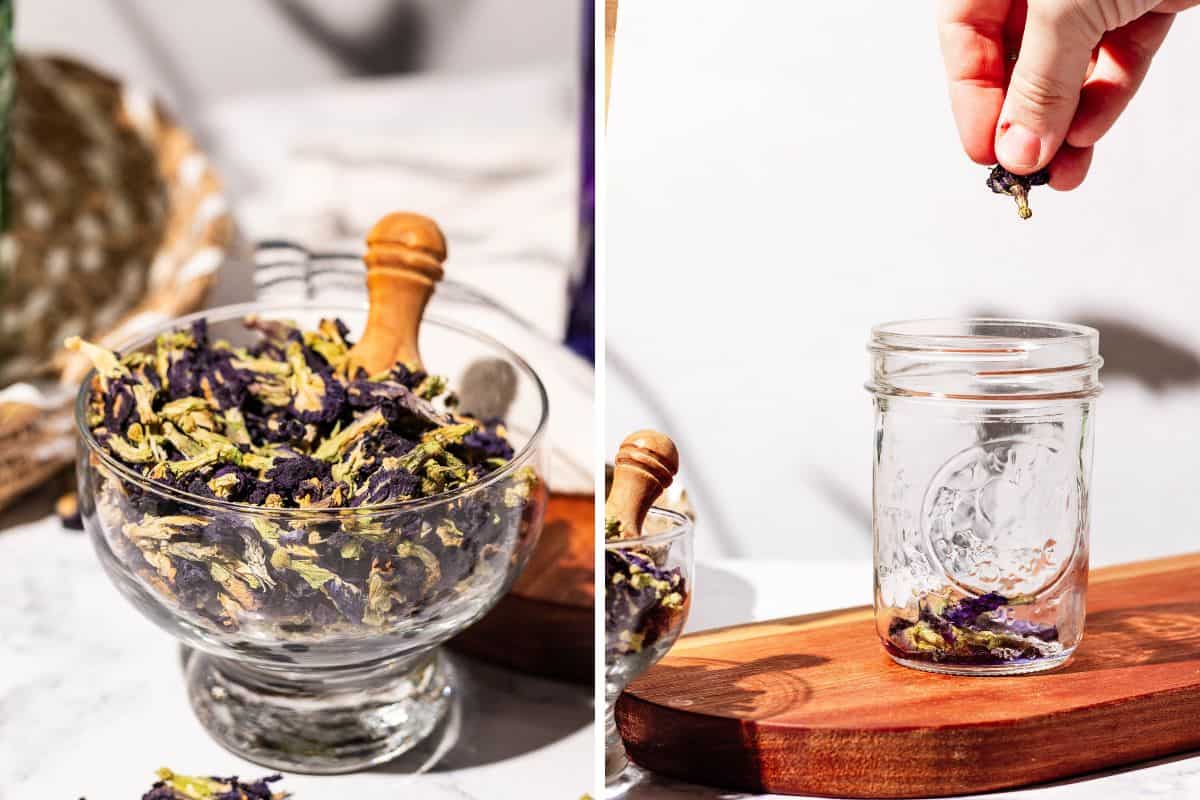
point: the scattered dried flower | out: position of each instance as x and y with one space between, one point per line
172 786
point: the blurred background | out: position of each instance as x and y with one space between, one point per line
782 176
295 121
316 114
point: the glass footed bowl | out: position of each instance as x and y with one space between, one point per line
317 630
647 593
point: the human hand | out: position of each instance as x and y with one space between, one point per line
1078 64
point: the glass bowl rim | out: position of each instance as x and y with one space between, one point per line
683 527
233 311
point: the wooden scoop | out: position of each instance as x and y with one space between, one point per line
646 464
405 253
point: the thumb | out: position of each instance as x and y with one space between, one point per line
1044 89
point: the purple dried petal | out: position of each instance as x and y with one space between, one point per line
966 611
486 443
288 473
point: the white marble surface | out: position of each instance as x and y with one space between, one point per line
734 590
92 702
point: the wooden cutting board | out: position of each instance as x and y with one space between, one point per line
812 705
545 625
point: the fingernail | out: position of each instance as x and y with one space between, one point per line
1018 148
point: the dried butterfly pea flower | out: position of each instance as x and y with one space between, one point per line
394 399
67 510
172 786
279 425
973 630
641 598
1001 181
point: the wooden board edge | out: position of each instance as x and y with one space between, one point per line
740 755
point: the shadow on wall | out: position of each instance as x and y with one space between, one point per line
396 41
1131 351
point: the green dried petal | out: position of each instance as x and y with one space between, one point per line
634 642
273 392
193 551
267 530
163 528
193 788
413 460
518 494
380 597
254 560
307 387
126 451
190 448
143 395
235 427
188 413
156 558
445 477
104 360
347 470
450 534
612 528
314 575
223 485
260 365
339 442
449 434
262 459
433 567
328 343
431 387
236 586
215 453
137 360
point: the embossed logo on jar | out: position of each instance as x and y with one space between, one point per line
1002 516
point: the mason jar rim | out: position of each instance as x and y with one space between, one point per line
933 334
985 358
233 311
683 526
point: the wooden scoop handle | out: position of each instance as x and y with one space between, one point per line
646 464
405 253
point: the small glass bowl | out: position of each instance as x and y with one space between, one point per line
637 631
296 670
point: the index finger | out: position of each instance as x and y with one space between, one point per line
971 33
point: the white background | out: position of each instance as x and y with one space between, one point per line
782 175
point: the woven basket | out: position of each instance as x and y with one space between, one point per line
117 223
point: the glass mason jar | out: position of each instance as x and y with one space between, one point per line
982 464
